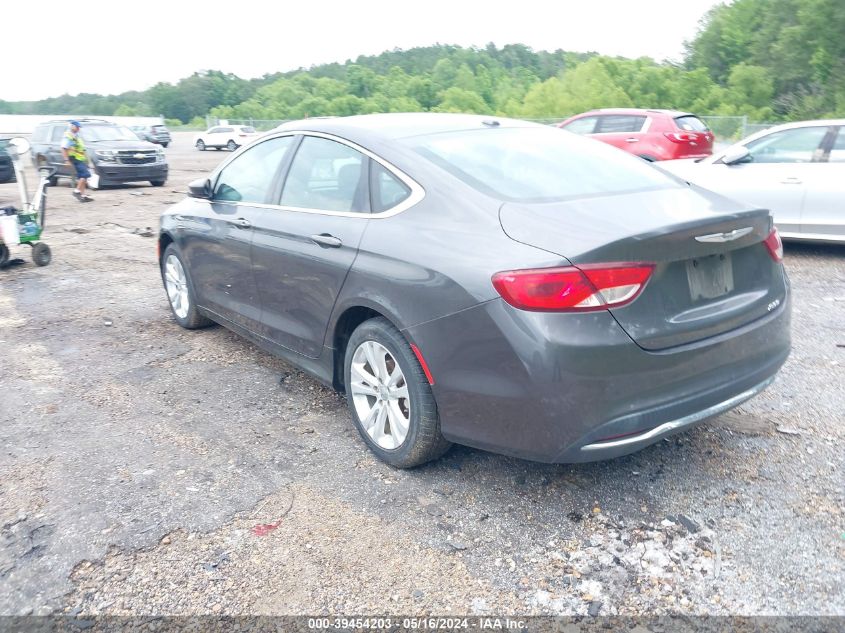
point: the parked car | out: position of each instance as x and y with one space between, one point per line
490 282
116 154
158 134
796 170
650 134
229 136
7 170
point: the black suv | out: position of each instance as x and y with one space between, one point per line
116 154
158 134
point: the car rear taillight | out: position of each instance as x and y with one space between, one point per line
571 288
774 245
683 137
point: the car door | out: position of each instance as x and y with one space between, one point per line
823 214
304 247
219 233
222 136
55 157
210 137
775 174
621 130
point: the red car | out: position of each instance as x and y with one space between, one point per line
650 134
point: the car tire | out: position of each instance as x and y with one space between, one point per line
180 290
52 181
231 146
402 431
157 183
4 254
200 145
41 254
165 145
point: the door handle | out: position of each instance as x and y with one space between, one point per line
242 222
631 140
329 241
791 180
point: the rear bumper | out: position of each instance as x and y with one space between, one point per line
111 173
575 388
615 446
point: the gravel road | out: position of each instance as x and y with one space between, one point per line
146 469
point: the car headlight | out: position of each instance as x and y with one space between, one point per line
160 155
106 155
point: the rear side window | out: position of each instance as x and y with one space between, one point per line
246 129
691 124
327 176
387 190
585 125
620 123
538 164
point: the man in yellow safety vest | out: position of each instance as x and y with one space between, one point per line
73 149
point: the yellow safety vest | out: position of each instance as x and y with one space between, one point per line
77 148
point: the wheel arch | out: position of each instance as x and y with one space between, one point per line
165 239
348 320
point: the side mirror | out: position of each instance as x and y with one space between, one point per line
18 146
200 189
736 154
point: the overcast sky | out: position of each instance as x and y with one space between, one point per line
110 46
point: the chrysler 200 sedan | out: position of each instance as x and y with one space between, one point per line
484 281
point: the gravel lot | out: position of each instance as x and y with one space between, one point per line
146 469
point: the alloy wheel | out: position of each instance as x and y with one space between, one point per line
380 395
176 283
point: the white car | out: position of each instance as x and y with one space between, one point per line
229 136
797 171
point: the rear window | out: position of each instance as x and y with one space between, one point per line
538 164
159 128
691 124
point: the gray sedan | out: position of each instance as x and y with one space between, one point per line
484 281
796 170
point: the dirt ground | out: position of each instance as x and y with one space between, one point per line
149 470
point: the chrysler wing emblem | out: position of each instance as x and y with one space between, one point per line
730 236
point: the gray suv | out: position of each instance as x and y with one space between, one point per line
116 154
158 134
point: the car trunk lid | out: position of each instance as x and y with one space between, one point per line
712 271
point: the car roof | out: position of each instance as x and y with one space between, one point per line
646 111
401 125
81 120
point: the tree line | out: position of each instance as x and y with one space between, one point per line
769 60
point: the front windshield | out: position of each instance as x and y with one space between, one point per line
538 164
93 133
